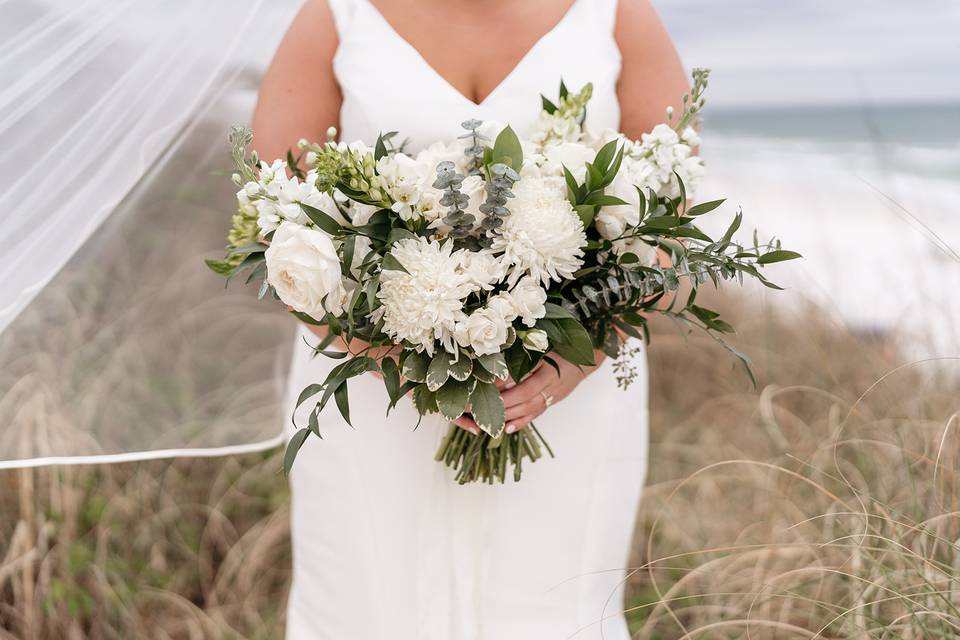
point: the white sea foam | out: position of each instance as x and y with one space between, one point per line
874 265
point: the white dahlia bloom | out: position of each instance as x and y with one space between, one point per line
425 303
543 236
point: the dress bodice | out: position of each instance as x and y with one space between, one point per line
387 85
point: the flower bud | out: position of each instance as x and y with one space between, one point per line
535 339
332 134
237 180
303 143
311 157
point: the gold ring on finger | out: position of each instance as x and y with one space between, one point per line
547 400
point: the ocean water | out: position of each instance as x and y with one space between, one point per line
870 196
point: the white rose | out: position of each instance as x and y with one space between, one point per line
609 224
475 188
646 253
303 267
571 155
528 299
613 220
439 152
536 340
485 330
503 305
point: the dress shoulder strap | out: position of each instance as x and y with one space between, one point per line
343 12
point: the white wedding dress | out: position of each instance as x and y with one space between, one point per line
386 545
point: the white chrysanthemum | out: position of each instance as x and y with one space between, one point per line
425 303
543 236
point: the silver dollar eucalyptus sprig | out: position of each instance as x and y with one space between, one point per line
474 152
498 188
459 221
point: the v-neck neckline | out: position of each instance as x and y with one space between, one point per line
443 79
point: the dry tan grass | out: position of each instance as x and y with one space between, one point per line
823 505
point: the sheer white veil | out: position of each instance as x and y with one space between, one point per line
115 342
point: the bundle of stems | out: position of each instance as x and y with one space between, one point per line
483 458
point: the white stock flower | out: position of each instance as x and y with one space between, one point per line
404 180
528 299
303 267
543 236
536 340
485 331
424 303
277 197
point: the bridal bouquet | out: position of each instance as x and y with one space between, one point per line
481 259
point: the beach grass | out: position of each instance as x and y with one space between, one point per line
823 504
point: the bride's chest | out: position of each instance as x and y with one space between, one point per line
425 89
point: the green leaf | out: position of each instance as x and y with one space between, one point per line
293 447
308 392
486 405
556 311
563 89
569 339
605 156
343 402
703 207
507 149
380 149
573 188
495 363
604 200
415 366
306 319
322 220
220 267
520 362
461 368
425 400
548 106
438 372
586 212
452 399
391 378
390 263
399 233
482 375
778 256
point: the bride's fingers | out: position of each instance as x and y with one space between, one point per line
504 384
467 424
532 407
515 425
525 391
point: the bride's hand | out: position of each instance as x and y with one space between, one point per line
525 401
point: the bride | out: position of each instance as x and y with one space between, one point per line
386 545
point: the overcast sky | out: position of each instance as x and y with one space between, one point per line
817 51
